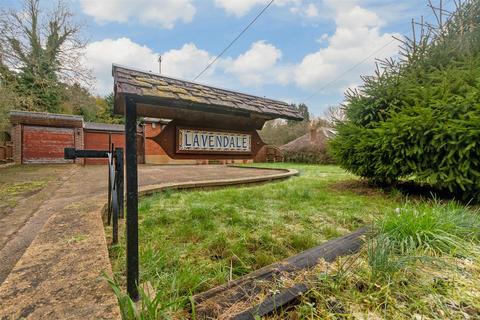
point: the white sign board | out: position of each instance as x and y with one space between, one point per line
194 140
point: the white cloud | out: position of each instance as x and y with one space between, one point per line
100 55
240 7
158 12
237 7
357 17
257 65
323 38
356 36
186 62
341 5
311 11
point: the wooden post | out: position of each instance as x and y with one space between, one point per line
132 197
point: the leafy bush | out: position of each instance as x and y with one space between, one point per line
419 118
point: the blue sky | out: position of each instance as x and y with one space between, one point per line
291 53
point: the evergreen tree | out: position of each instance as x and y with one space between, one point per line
419 118
303 109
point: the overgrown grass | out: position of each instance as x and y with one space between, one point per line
193 241
422 262
433 229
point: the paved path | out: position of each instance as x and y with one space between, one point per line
59 275
16 216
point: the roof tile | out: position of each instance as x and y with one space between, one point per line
196 99
220 102
155 92
153 81
129 81
176 89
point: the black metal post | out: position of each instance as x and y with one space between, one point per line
72 153
132 197
120 185
115 212
109 206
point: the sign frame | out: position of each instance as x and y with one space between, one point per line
213 152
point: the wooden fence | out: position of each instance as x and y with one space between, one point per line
6 148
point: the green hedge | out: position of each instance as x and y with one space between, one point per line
420 119
311 157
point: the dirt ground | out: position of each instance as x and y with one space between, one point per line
55 257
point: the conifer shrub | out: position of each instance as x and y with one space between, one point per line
418 118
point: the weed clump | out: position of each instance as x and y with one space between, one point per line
420 261
437 229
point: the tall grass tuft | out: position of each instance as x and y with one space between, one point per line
147 308
382 260
432 229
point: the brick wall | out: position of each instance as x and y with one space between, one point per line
99 140
45 144
79 143
17 143
151 147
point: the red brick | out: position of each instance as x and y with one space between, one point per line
46 144
95 140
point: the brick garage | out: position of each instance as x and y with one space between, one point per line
99 136
41 137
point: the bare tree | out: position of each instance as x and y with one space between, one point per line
46 44
335 114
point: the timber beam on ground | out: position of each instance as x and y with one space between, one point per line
218 302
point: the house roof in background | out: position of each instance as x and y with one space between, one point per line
315 139
128 81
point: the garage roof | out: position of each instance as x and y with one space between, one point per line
46 119
94 126
167 91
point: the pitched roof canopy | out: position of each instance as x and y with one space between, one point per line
169 92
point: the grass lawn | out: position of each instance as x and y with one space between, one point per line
192 241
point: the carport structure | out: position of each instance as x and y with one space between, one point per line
207 123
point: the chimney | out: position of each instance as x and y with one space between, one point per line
313 134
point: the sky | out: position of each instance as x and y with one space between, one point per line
298 51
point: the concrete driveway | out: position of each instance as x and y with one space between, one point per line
52 265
